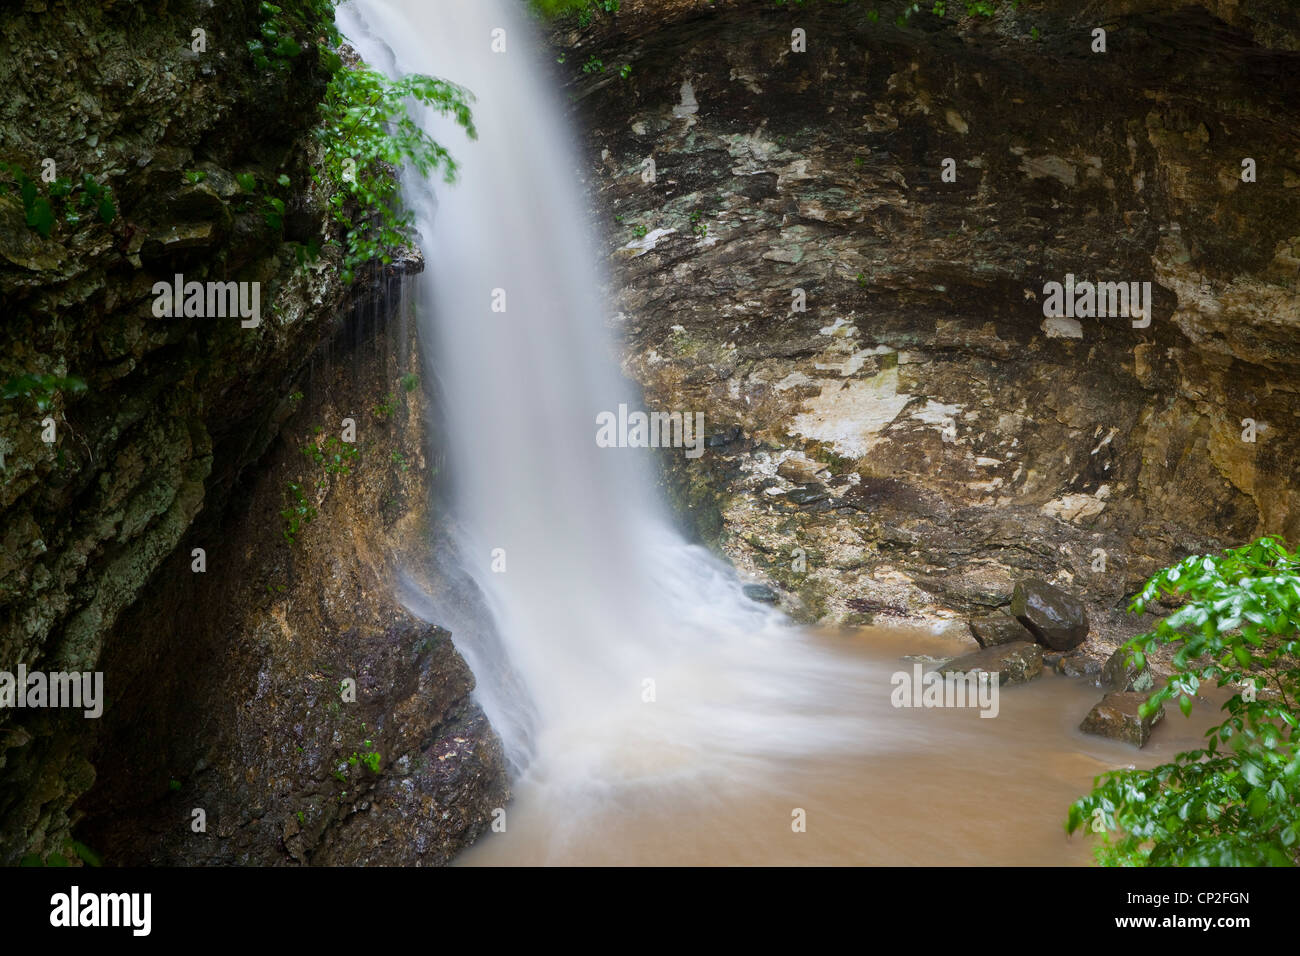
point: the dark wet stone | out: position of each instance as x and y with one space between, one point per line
1056 619
761 593
724 437
999 628
1116 716
808 494
1078 665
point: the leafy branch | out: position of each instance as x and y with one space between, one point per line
368 132
1235 802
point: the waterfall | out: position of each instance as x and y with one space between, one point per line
616 649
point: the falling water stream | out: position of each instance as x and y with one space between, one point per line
651 713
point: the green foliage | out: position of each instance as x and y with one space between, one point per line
1236 802
298 512
386 408
272 207
283 35
558 8
334 453
367 132
410 382
981 8
584 9
47 204
594 64
370 759
85 853
41 390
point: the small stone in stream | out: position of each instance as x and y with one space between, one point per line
807 494
1014 663
1057 619
761 593
1052 660
1078 665
1116 716
999 629
1120 675
925 659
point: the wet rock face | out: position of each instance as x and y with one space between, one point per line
312 718
1055 618
173 409
97 527
1116 716
799 268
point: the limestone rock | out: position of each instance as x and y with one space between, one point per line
1116 716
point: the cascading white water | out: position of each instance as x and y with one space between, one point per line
598 595
750 716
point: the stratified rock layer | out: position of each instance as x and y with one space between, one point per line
800 270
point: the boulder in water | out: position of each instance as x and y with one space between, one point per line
1116 716
1014 663
761 593
1056 619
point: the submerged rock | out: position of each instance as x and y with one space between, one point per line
999 629
1116 716
1056 619
1014 663
761 593
1078 664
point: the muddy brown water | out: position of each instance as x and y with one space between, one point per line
930 786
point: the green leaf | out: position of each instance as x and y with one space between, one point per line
41 216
